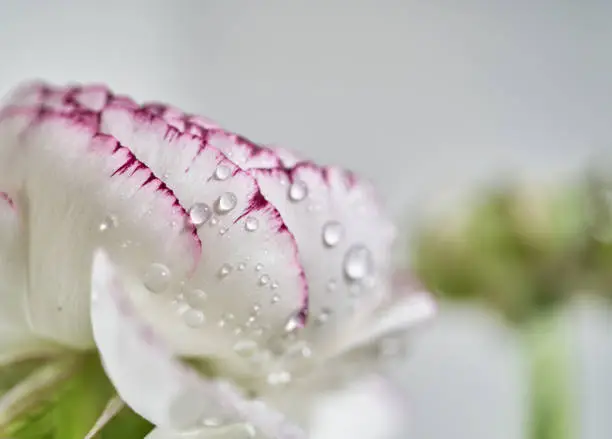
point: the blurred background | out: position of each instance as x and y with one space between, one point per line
439 103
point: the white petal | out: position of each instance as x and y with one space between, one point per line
249 268
370 409
148 377
16 339
339 210
69 179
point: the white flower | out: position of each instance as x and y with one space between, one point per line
269 274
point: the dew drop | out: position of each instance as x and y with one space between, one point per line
264 279
258 267
293 323
157 278
332 285
223 231
275 298
222 172
323 317
214 221
226 202
274 285
251 224
110 222
256 308
196 299
199 214
332 233
225 270
298 191
241 266
194 318
357 263
245 348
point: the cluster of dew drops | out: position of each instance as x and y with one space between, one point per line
357 267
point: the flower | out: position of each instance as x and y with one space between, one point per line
233 285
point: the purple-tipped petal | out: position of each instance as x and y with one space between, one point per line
151 380
71 181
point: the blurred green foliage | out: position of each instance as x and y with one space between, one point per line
69 407
521 250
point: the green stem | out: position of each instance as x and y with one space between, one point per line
549 355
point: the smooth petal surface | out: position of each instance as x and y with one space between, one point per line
16 339
154 383
369 409
71 181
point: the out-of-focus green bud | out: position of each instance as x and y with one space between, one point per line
520 248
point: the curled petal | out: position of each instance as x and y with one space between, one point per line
151 380
74 184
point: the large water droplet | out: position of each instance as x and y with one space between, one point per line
357 263
226 202
196 299
222 172
110 222
157 278
194 318
251 224
199 213
298 191
332 233
245 348
225 270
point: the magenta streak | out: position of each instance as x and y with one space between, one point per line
4 196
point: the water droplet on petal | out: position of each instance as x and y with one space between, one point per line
226 202
332 233
196 298
293 323
332 285
264 279
323 317
298 191
110 222
225 270
241 266
194 318
256 308
251 224
245 348
274 285
214 221
258 267
357 263
199 213
223 231
157 278
275 298
222 172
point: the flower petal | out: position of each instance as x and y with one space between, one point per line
16 340
70 180
151 380
369 409
354 238
250 278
